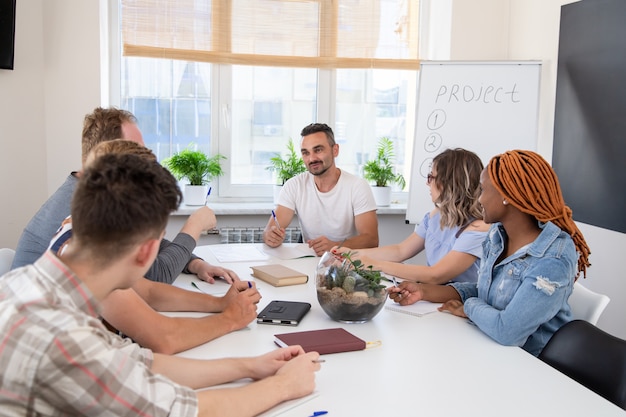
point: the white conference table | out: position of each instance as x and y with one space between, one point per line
434 365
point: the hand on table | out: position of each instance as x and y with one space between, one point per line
295 368
274 236
321 244
207 272
406 293
240 304
455 307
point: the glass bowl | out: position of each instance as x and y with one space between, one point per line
346 291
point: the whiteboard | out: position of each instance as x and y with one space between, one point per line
484 107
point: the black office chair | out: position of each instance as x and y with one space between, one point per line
590 356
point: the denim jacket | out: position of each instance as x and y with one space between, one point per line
522 300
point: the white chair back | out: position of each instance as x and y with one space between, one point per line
6 259
586 304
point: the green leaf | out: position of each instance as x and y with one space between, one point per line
288 167
380 170
195 166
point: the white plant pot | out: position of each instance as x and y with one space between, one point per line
195 195
382 196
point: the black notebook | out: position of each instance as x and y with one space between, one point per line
287 313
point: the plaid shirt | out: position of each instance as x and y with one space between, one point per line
58 359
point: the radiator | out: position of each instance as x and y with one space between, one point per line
255 235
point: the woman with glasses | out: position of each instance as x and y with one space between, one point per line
451 234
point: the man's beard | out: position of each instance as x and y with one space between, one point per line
320 172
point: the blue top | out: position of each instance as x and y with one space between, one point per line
438 242
522 300
44 224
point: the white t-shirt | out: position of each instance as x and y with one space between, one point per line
328 214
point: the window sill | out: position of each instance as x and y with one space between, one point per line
260 208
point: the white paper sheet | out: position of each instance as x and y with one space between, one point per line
287 251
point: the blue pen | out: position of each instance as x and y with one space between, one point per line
206 200
249 284
319 413
275 219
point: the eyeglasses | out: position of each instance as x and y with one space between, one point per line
430 178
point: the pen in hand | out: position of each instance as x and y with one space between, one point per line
275 219
395 284
336 251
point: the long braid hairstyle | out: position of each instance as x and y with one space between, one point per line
530 184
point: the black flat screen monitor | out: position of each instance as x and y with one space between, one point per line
589 151
7 33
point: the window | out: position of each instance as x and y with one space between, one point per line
241 77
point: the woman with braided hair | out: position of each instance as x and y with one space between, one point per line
533 254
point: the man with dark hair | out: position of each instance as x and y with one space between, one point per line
58 358
133 312
333 206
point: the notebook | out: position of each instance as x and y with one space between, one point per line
418 309
322 341
279 275
288 313
290 251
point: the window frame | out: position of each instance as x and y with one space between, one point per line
224 190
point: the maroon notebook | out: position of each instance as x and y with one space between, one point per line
322 341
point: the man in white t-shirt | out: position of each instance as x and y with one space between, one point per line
334 207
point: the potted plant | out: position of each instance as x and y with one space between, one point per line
198 168
380 172
347 290
287 167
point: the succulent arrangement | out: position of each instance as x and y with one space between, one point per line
347 290
353 276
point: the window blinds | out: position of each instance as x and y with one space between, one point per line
285 33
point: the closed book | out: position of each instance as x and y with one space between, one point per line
278 275
321 341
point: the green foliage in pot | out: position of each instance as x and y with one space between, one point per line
380 170
196 166
353 276
288 167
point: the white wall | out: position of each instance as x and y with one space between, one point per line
22 131
71 80
57 81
